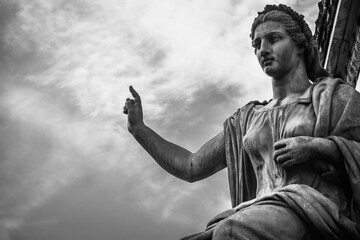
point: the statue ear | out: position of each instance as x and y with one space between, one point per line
301 49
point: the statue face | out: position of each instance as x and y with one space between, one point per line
275 49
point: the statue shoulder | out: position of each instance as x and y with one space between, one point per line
333 87
245 111
248 107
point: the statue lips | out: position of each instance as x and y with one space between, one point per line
267 61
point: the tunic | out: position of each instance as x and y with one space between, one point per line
265 126
323 198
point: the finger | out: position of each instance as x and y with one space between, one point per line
128 100
280 144
135 94
283 158
129 104
125 110
280 152
292 162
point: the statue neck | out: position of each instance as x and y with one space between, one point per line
291 85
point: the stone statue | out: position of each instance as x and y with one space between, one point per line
293 161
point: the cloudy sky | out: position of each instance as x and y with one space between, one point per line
69 170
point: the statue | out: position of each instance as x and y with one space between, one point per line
293 161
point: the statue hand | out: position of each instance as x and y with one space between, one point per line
294 150
134 111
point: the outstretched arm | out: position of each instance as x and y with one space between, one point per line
176 160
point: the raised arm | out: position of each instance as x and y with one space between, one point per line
176 160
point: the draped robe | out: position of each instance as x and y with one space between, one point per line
337 117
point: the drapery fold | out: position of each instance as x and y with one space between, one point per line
337 109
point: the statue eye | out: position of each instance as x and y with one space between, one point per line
275 38
256 45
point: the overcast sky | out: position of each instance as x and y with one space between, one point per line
69 170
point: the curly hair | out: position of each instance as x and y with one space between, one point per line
300 32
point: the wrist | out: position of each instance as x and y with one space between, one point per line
316 146
136 129
326 149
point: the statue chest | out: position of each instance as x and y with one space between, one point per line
264 128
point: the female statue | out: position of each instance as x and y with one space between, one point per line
293 161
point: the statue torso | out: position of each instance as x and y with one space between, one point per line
265 126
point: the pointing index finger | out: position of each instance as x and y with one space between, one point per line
135 94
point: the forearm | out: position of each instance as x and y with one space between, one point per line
180 162
328 150
171 157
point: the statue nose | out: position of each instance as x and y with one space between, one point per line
264 49
264 53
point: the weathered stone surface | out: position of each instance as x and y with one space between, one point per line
336 33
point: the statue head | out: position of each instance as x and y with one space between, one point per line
300 32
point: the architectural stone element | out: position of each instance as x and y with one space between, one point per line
337 36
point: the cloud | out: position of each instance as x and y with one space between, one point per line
154 47
44 148
58 160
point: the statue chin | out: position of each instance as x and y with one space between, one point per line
269 70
